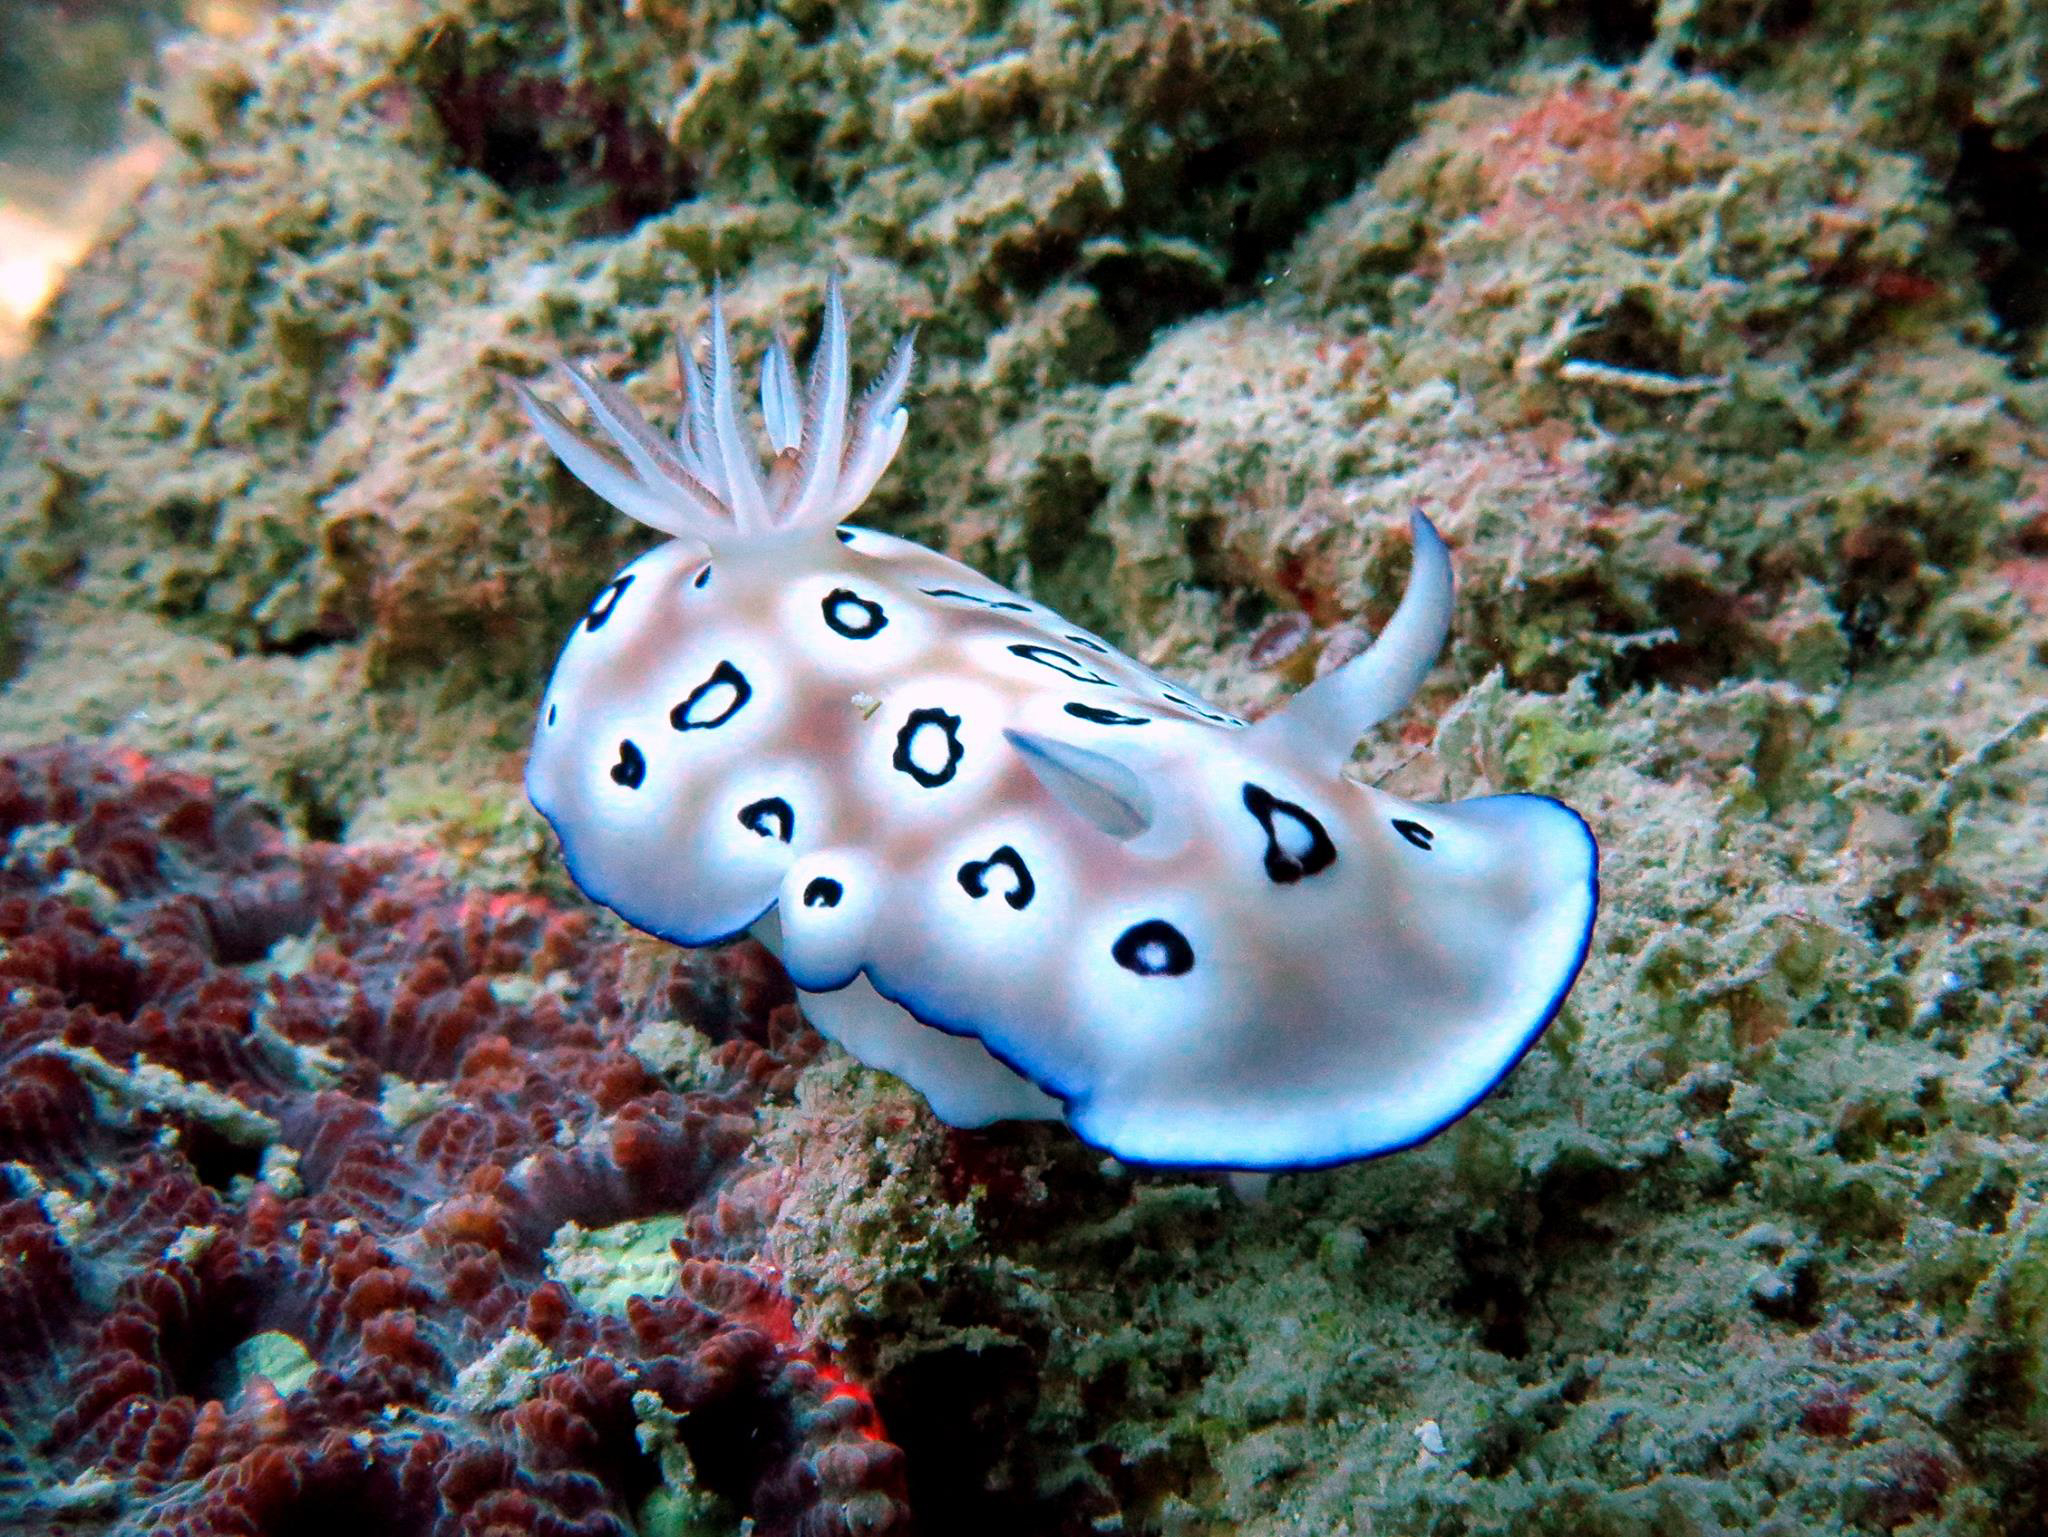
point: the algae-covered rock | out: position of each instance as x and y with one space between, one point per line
1696 381
1732 424
1960 84
263 415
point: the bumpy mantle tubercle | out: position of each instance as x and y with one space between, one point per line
999 858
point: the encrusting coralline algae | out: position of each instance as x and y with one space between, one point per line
1719 384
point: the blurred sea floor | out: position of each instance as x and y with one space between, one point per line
72 154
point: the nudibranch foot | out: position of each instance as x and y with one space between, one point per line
964 1085
1001 859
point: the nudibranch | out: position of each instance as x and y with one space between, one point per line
999 858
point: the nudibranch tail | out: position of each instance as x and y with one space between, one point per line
1325 720
709 487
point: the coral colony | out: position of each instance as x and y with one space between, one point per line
1003 860
273 1247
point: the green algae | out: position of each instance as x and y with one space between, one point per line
1744 467
604 1267
866 1235
505 1374
147 1087
281 1359
680 1506
677 1052
1681 253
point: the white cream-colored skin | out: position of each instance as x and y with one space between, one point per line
999 858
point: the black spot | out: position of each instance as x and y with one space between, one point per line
1200 709
1283 867
845 535
823 892
1103 717
631 767
853 616
685 716
906 740
703 579
1090 645
1415 833
607 600
551 715
974 877
771 818
968 597
1066 666
1154 948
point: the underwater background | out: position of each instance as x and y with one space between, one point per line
358 1176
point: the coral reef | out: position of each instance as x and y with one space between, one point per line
1749 497
1700 388
1960 85
298 450
1705 331
290 1131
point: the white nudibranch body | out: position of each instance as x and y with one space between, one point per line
999 858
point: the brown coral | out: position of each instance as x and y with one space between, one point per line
203 1164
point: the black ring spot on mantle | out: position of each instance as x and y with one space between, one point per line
1154 948
845 535
1102 717
601 610
703 578
974 877
551 715
851 615
929 719
1415 833
1066 666
770 817
684 716
968 597
823 892
1089 645
1285 868
631 768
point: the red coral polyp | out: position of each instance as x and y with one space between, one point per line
190 1202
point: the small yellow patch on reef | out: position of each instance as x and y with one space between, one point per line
603 1267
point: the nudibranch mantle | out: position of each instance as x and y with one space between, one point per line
999 858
